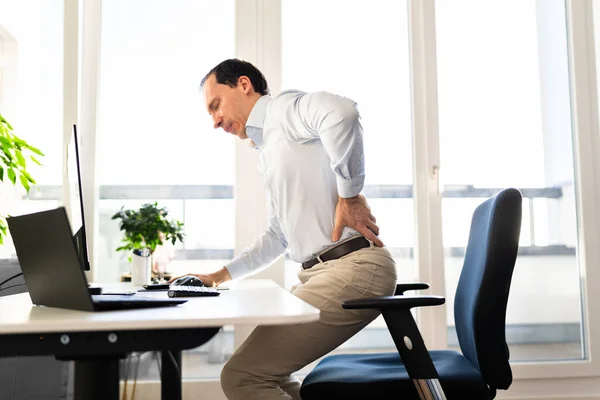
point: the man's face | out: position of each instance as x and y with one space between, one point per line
229 107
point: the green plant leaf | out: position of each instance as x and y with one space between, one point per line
29 177
12 176
14 152
35 150
20 159
3 227
24 182
5 160
7 151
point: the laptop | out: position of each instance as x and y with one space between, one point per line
52 268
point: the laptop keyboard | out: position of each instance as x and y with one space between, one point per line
192 291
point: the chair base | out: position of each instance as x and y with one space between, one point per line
429 389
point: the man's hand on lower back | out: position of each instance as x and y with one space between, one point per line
354 212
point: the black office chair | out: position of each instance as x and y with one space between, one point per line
479 313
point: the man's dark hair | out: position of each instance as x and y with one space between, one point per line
229 71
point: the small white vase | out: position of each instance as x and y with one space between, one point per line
141 270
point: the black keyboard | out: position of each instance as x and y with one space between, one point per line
192 291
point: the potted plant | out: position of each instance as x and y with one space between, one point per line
14 153
146 228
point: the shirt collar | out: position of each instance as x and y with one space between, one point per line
256 120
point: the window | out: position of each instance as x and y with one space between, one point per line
505 120
31 77
155 138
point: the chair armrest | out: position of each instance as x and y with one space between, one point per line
394 302
403 287
403 329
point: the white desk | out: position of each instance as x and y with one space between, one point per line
86 337
251 301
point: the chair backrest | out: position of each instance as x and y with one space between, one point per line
484 284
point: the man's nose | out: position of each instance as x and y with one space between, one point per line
217 121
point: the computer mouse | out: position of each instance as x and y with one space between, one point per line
188 280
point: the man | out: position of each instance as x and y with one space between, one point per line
312 164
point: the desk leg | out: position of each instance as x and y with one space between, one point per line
97 379
170 377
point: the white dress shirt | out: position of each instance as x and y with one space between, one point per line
311 151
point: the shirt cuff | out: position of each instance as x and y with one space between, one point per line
238 268
350 187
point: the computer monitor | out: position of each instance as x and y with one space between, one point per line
75 195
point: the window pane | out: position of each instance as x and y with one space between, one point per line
505 120
156 142
362 56
31 99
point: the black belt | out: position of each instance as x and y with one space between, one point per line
339 251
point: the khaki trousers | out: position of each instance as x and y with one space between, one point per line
261 368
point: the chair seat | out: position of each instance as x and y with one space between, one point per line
383 376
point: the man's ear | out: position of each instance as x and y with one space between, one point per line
246 84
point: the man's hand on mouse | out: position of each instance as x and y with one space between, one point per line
354 212
212 279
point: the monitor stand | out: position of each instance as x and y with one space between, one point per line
95 290
79 239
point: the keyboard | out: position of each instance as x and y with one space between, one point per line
192 291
